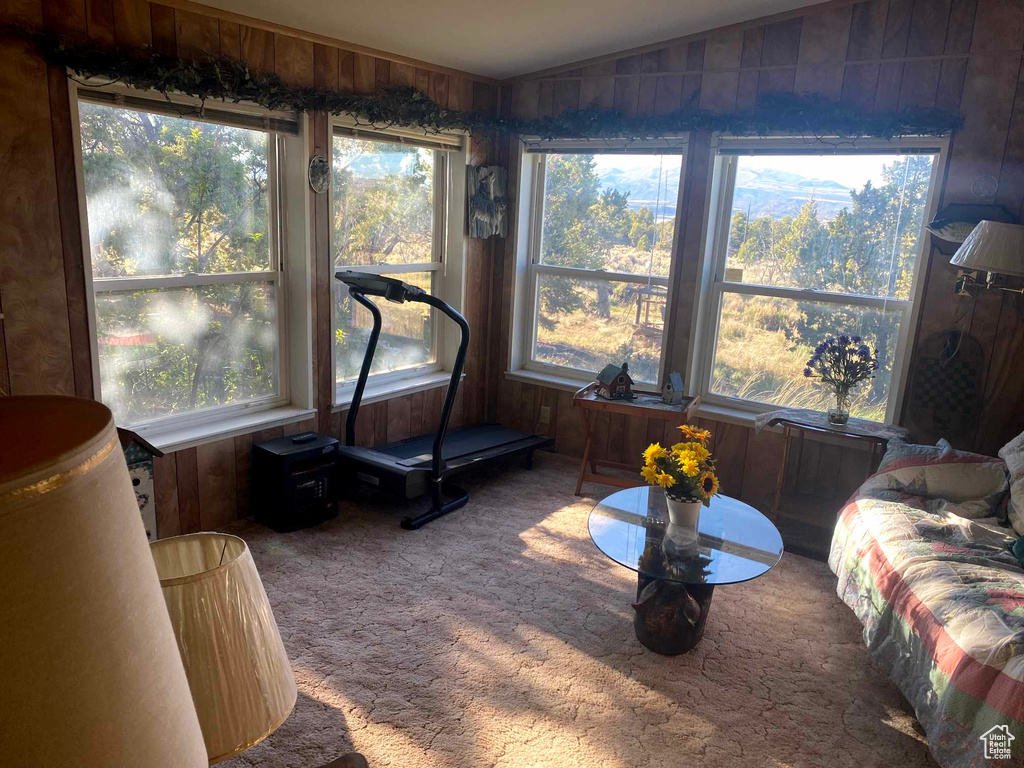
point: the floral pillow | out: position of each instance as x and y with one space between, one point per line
977 484
1013 454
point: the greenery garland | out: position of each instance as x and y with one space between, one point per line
403 106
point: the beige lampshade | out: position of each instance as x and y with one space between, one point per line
993 246
242 682
90 673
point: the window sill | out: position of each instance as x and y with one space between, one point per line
375 393
171 439
563 383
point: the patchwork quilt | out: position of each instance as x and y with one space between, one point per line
940 597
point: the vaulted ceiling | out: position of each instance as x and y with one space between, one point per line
504 39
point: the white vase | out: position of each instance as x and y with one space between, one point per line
683 513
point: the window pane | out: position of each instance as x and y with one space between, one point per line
383 203
842 223
406 337
764 344
168 196
164 352
586 324
614 212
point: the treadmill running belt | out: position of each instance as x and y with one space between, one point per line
415 451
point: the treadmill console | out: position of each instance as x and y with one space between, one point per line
378 285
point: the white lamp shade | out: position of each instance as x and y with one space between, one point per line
89 667
242 682
993 246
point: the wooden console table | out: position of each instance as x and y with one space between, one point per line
877 436
646 405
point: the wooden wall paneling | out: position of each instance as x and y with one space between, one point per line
599 446
761 470
258 48
750 57
597 90
381 73
230 39
894 45
1003 412
293 60
548 399
998 26
133 27
648 85
615 450
187 471
718 89
36 326
198 35
215 465
380 422
823 43
416 400
627 89
70 231
780 49
731 456
163 30
165 495
830 458
402 74
853 468
546 98
527 408
99 17
325 67
364 73
634 442
243 467
807 467
566 97
5 378
64 16
432 409
458 418
569 434
668 90
986 106
439 88
928 27
365 431
398 421
346 71
1011 171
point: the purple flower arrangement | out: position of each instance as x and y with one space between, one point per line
842 363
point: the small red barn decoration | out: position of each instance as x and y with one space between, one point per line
615 383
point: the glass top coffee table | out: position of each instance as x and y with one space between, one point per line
678 568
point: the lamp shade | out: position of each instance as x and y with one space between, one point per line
993 246
89 669
242 682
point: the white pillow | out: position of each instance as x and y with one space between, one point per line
1013 454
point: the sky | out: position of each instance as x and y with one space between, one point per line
849 170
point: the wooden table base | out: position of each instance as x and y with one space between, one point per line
670 617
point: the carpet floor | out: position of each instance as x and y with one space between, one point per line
500 636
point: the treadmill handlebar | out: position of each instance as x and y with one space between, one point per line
359 284
378 285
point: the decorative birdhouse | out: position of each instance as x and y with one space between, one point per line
138 455
672 392
615 383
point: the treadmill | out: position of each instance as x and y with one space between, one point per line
420 466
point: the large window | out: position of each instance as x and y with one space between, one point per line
600 251
389 216
805 246
185 263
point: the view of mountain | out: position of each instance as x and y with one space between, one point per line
760 192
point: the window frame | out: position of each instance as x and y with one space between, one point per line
534 165
446 267
288 250
713 286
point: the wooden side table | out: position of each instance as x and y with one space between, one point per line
647 405
876 435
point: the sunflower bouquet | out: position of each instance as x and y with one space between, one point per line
686 470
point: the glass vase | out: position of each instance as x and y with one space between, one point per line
839 415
